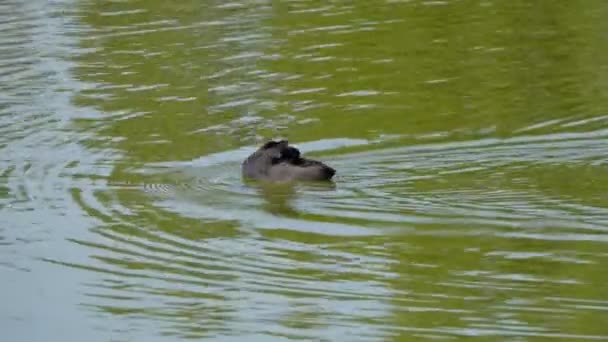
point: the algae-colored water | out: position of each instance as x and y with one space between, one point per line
470 139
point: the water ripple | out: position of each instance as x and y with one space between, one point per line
113 191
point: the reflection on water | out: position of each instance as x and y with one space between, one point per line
469 140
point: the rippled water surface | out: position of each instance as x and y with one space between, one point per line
470 139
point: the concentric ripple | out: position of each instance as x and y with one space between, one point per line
330 252
470 143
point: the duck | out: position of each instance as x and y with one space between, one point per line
277 161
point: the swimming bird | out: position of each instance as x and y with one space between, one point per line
277 161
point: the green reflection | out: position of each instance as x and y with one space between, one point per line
182 81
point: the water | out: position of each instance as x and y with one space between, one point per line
470 140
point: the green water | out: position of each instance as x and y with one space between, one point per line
470 139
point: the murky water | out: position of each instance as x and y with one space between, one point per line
470 139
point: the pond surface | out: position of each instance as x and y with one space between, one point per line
470 139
